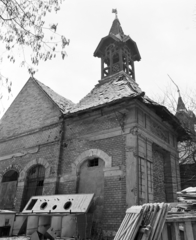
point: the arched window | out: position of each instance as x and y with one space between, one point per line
10 176
8 188
34 183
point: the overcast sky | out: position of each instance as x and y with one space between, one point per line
164 30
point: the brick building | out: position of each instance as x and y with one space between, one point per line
115 143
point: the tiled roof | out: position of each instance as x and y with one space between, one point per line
121 86
64 104
110 89
116 29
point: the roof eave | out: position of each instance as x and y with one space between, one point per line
97 52
169 117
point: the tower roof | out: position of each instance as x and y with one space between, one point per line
180 105
116 35
117 30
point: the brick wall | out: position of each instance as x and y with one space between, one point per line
114 204
30 140
30 130
158 176
49 153
112 146
78 140
18 199
30 110
67 187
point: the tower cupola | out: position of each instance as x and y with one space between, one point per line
117 52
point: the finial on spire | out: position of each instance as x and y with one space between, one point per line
116 13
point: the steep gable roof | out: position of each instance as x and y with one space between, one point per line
64 104
34 107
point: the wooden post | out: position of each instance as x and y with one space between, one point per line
133 68
120 59
102 65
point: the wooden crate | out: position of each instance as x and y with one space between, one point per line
179 227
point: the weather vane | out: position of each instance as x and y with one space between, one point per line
115 11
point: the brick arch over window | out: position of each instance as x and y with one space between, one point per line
92 153
39 161
13 167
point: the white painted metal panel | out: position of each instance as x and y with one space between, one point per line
75 203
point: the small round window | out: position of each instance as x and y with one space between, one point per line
67 205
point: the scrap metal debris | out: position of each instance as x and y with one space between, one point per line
50 217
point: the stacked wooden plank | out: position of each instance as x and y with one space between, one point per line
187 195
143 222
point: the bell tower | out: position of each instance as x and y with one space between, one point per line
117 52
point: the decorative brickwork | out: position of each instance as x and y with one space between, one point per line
158 176
89 154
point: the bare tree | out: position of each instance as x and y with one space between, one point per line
170 98
22 27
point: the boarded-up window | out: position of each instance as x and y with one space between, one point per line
145 181
34 183
8 189
91 180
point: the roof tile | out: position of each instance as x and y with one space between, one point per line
112 88
64 104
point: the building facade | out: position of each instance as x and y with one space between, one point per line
116 142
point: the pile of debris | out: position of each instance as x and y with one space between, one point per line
143 222
187 199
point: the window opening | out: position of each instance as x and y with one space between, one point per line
10 176
93 162
34 183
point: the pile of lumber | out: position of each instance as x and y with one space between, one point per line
187 199
187 195
143 222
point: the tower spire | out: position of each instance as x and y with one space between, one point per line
117 51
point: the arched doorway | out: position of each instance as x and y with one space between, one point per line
34 183
91 180
8 189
